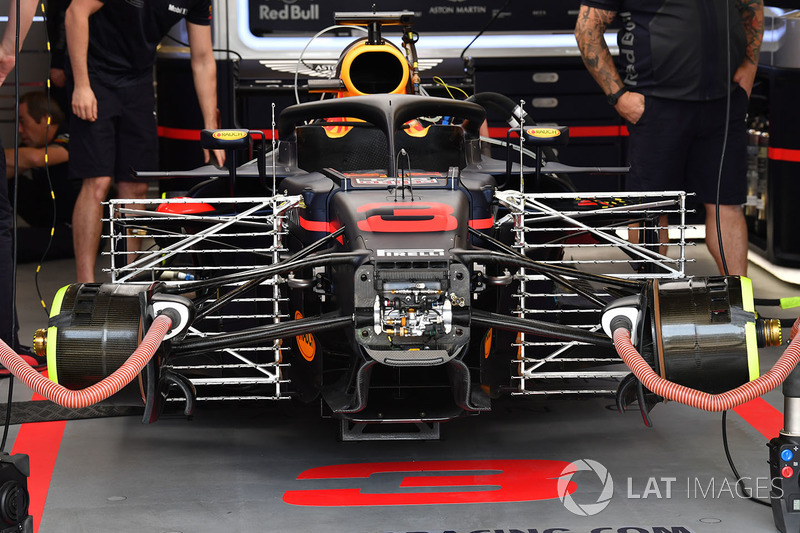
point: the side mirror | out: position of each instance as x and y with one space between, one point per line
230 141
547 135
225 139
540 136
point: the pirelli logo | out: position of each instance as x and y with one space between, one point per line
434 252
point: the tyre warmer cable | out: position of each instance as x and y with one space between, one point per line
703 400
110 385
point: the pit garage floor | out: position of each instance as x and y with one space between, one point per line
250 469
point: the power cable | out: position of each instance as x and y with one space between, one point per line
225 50
13 218
739 480
305 48
725 134
47 170
497 14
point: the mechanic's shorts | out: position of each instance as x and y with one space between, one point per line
677 145
124 136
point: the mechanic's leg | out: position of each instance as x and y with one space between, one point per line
133 190
87 224
734 237
657 154
636 233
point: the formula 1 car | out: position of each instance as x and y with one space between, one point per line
377 260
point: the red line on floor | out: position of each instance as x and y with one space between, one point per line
41 441
762 416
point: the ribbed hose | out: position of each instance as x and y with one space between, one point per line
703 400
76 399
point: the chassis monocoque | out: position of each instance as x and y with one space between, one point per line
377 260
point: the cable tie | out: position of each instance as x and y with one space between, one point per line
789 303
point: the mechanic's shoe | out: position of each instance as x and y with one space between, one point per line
37 362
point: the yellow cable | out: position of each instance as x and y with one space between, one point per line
440 81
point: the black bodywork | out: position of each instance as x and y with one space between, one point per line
395 284
406 201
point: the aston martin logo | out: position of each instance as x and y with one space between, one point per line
323 68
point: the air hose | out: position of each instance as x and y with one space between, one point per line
501 103
76 399
695 398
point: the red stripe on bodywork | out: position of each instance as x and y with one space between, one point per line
481 223
321 226
762 416
188 208
41 441
407 217
317 225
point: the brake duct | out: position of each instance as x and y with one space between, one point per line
679 346
699 399
107 387
99 331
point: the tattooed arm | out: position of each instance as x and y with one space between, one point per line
752 12
589 32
